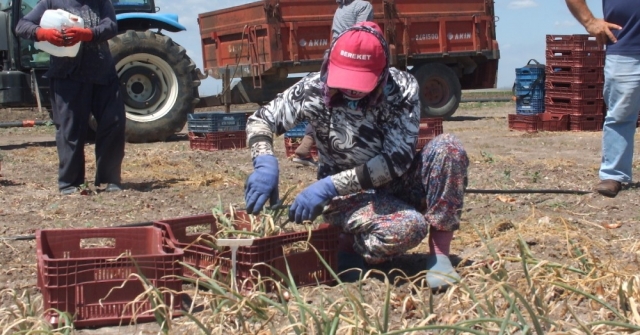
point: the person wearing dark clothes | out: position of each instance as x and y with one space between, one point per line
620 31
80 86
348 13
371 183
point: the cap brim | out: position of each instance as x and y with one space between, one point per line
361 81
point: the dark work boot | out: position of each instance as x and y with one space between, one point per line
609 188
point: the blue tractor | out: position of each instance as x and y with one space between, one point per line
159 82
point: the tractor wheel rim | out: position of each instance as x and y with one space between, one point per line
436 92
141 87
149 86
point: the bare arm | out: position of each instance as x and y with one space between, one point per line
599 28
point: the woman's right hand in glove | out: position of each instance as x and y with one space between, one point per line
262 184
50 35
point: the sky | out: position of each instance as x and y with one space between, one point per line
521 29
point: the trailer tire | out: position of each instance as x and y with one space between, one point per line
440 90
159 84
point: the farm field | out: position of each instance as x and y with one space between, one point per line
532 262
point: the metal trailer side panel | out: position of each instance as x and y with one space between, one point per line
279 37
441 7
224 34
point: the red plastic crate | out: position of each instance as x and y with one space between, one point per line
305 266
553 122
570 90
520 122
575 74
429 129
574 106
575 58
292 143
587 94
580 42
214 141
74 278
585 122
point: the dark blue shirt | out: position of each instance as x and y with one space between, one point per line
94 63
625 13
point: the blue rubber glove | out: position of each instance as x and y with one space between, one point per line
262 184
311 201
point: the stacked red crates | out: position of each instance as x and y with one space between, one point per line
213 131
430 127
574 80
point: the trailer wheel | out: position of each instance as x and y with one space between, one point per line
157 83
440 90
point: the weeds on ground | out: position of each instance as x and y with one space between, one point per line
511 292
23 315
506 294
535 176
487 157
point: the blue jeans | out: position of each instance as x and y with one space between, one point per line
622 97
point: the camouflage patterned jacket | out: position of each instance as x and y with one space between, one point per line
360 149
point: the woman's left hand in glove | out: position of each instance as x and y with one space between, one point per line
308 205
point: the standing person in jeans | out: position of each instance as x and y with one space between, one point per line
620 31
371 183
349 13
80 86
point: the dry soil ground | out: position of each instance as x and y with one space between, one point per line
168 180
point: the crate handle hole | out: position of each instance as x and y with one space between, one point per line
198 229
97 242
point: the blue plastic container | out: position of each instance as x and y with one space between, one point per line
297 131
216 121
534 93
529 106
530 81
529 88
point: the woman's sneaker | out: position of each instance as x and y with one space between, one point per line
307 161
440 272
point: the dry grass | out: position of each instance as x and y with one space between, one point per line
554 272
153 164
508 289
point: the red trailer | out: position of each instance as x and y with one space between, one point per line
449 45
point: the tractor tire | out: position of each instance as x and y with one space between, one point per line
440 90
158 83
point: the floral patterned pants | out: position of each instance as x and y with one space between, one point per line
388 221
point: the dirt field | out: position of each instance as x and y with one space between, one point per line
168 180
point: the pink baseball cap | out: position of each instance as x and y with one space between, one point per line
357 60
